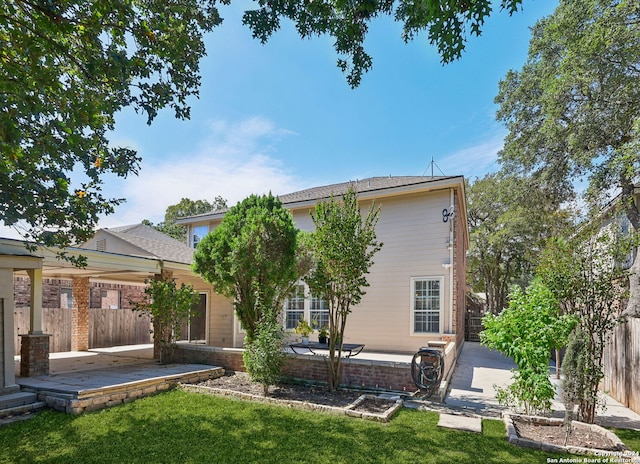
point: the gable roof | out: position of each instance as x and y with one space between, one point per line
369 187
153 243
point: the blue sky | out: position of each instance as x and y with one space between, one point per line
280 117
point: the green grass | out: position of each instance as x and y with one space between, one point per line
184 427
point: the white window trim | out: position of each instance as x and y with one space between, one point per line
412 331
307 308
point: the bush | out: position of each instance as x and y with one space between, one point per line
527 331
264 356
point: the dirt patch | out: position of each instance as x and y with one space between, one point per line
317 394
556 435
374 405
550 434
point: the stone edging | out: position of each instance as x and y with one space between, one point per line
349 410
624 453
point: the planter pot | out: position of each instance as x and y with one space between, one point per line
305 340
322 339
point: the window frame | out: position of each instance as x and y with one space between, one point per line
440 311
195 239
308 302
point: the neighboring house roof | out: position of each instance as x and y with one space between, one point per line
371 186
152 242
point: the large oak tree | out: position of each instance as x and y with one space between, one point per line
573 110
67 67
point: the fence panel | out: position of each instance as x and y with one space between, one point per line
56 322
622 364
115 327
107 327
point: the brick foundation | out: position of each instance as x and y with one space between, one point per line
34 355
361 373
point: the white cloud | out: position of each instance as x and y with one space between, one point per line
473 161
233 161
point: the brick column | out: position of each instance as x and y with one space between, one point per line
80 314
34 355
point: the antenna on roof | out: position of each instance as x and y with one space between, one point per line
433 164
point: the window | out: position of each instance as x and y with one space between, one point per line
427 302
66 298
294 307
199 232
110 299
319 312
625 230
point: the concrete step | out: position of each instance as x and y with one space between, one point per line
17 399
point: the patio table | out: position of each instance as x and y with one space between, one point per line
348 349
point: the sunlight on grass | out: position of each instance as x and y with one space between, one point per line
180 427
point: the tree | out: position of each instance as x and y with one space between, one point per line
446 23
584 275
527 331
264 355
506 233
574 108
185 208
67 69
343 244
251 258
169 306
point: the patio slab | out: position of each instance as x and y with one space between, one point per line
459 422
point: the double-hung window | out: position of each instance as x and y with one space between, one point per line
294 307
427 304
319 312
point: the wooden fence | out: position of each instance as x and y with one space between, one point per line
622 365
107 327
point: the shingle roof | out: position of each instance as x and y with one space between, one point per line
156 243
325 191
364 185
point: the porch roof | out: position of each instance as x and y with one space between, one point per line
104 265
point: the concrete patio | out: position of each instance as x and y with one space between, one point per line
99 378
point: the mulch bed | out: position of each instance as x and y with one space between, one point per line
317 394
556 435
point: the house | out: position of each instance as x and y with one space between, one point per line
417 284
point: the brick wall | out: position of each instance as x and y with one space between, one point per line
355 372
51 292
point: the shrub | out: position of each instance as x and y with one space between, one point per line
264 356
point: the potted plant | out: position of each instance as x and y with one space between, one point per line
323 334
304 329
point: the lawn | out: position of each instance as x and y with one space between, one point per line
181 427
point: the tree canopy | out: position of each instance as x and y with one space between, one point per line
251 258
67 68
506 233
573 110
447 23
185 208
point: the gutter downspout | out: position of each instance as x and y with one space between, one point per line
451 242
